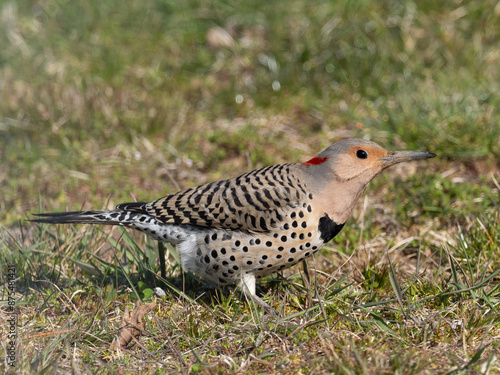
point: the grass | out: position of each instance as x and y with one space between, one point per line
104 103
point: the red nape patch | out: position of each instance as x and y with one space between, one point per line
315 161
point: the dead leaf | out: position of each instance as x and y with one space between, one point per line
131 325
218 37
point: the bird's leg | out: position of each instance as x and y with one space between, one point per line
306 272
247 286
161 254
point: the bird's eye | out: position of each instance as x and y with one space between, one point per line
361 154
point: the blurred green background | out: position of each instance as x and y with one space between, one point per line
114 100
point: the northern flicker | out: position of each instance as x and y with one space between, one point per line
241 229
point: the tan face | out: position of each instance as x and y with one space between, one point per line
340 174
359 160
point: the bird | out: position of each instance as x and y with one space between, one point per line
238 230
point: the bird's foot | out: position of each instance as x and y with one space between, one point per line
266 307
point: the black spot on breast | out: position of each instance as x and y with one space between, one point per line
223 250
207 259
214 253
328 228
232 258
245 249
269 244
278 256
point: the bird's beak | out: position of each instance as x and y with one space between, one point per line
396 157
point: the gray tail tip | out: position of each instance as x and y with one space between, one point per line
54 217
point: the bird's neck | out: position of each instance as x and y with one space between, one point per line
334 196
338 198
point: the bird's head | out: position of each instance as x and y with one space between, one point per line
340 174
358 159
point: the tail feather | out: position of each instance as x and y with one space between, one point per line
117 217
133 206
132 219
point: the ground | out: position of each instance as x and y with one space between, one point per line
110 102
